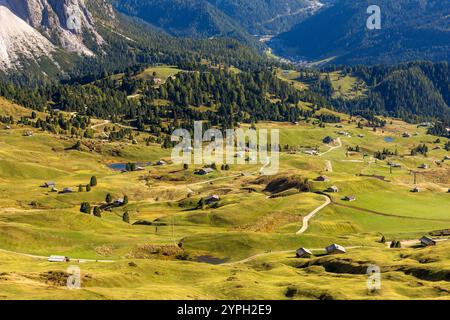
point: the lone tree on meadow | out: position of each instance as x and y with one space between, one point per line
202 203
77 145
125 200
88 188
109 198
93 182
97 212
85 208
130 166
126 217
80 188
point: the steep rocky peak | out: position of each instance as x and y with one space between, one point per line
63 21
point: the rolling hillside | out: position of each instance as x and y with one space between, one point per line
242 247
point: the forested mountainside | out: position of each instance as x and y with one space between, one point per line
125 42
185 18
49 39
110 42
411 91
206 18
411 30
221 80
224 96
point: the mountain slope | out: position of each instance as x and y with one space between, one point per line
31 29
206 18
411 30
19 41
413 91
267 16
185 18
66 22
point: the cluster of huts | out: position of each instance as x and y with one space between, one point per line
204 171
311 152
212 199
344 133
424 166
54 258
427 241
406 135
338 249
331 249
52 186
394 164
328 140
334 189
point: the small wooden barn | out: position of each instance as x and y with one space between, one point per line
303 253
335 249
427 241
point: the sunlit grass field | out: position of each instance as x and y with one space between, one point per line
247 222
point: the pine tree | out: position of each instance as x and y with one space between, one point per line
85 208
126 217
77 145
93 182
97 212
88 188
201 203
125 200
108 198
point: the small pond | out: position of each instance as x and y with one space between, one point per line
123 166
388 139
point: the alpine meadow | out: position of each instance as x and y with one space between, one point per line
224 150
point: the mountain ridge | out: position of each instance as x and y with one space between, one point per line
32 29
206 18
411 30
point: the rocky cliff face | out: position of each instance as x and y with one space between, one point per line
31 28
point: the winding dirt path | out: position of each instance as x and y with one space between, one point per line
104 123
387 214
306 219
329 166
46 258
339 141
